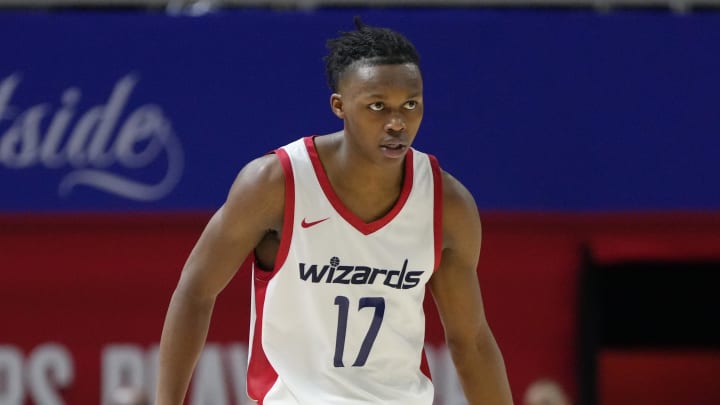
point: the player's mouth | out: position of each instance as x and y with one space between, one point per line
394 150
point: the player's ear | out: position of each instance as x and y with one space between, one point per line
336 105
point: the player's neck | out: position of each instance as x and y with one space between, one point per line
348 169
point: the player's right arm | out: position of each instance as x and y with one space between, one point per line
254 206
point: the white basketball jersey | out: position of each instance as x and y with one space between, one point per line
340 318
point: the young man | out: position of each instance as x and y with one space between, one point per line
346 231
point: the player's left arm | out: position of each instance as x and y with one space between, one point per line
456 291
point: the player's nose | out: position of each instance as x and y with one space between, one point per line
395 123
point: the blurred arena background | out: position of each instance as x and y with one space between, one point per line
588 132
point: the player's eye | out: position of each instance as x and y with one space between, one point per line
410 105
377 106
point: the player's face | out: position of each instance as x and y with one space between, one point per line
382 107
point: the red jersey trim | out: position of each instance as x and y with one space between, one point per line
289 215
437 209
261 375
365 228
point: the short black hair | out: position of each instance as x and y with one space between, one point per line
375 45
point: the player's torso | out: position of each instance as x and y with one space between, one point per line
341 316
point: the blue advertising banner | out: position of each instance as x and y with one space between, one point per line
531 109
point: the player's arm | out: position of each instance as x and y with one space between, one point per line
253 207
456 291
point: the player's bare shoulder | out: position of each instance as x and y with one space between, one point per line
258 193
461 221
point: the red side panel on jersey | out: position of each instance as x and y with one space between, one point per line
261 375
437 209
365 228
437 230
424 366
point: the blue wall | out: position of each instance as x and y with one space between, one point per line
531 109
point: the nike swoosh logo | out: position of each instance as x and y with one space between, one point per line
306 224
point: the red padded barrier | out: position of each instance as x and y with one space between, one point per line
633 377
89 280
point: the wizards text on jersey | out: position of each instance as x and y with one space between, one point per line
334 273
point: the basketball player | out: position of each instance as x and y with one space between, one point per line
346 230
